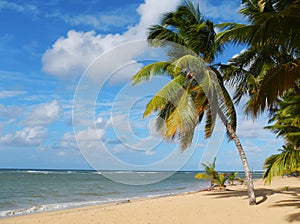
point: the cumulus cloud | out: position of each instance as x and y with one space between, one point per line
68 141
43 114
253 129
92 135
29 136
69 56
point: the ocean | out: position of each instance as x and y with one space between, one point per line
31 191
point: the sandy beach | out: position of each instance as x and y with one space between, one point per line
277 203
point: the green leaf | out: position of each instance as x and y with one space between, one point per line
169 93
151 70
202 176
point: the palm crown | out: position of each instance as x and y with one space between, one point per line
271 64
195 89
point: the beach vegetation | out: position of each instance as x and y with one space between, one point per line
210 172
287 162
221 179
286 120
233 176
286 124
286 188
216 178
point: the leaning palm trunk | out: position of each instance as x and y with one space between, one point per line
233 135
235 138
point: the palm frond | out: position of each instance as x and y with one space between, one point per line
151 70
220 179
287 119
171 92
235 33
160 36
225 103
268 26
286 162
202 176
189 63
182 121
273 85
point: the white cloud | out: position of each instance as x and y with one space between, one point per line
151 12
221 11
254 129
18 7
92 135
69 56
10 112
102 21
29 136
11 93
118 17
134 133
43 114
68 141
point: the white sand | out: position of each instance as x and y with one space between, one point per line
277 204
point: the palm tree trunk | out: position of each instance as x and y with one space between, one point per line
251 195
233 135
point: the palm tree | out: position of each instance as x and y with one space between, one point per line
233 176
269 71
195 89
287 125
213 175
286 162
210 172
287 119
221 179
271 64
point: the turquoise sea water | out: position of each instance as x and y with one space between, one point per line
30 191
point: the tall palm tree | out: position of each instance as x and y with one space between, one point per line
287 120
195 90
271 64
286 162
287 125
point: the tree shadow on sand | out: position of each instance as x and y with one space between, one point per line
262 195
290 203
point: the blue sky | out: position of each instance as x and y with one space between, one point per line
60 55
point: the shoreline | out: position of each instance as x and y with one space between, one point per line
52 190
97 204
101 204
277 203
